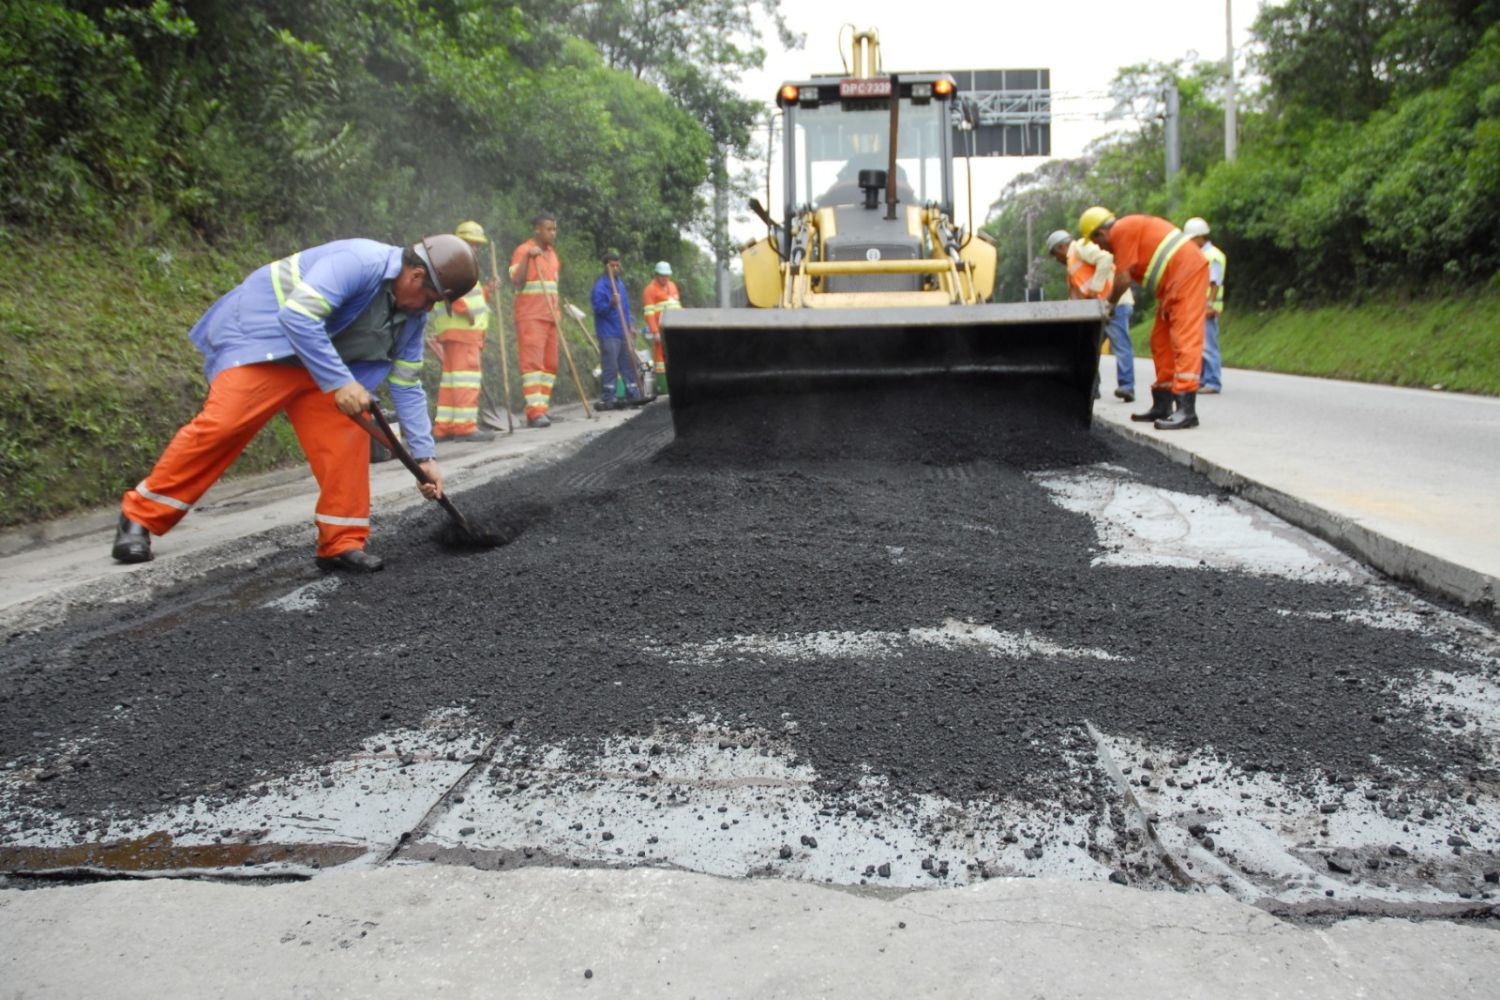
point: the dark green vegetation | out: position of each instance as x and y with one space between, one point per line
1369 164
160 151
1452 342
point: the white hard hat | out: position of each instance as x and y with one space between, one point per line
1195 227
662 267
1058 238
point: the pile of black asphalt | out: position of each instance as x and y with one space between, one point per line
771 518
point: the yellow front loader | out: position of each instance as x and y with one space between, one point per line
866 281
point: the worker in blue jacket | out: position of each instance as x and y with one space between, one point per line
310 335
612 324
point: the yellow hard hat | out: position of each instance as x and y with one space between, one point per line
1092 219
471 231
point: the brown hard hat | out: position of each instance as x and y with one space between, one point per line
451 265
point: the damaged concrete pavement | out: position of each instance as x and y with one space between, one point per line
1049 677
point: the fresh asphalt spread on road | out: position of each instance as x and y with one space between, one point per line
934 642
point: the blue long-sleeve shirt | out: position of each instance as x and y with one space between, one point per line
297 305
606 316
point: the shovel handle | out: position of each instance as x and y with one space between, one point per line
381 431
388 438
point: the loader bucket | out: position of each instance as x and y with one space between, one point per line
721 360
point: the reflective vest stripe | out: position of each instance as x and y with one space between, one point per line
1165 251
1216 256
342 522
538 288
286 274
159 498
406 373
306 300
476 316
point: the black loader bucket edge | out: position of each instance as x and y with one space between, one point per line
719 354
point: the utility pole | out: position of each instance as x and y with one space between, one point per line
1174 139
721 230
1029 213
1231 125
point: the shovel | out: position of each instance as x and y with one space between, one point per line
457 534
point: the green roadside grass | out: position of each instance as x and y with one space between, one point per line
1449 342
98 371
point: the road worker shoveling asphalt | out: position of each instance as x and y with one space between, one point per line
312 335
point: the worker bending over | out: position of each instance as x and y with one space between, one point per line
457 336
534 270
612 322
1196 229
1090 273
660 296
312 335
1150 251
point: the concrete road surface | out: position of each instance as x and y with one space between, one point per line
541 933
1405 479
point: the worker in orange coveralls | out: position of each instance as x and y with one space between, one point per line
1150 252
661 296
534 270
458 340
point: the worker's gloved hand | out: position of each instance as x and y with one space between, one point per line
351 399
534 251
434 489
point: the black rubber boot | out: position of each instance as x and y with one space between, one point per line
1161 407
352 561
132 542
1186 415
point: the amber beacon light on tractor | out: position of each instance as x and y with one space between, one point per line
866 277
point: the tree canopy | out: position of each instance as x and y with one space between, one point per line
299 120
1370 158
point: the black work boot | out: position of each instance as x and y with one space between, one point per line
1186 415
132 542
1161 407
352 561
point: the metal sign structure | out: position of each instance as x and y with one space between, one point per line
1015 112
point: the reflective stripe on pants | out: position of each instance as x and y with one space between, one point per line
536 346
239 403
458 390
1177 334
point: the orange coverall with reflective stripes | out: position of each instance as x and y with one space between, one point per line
535 279
460 337
240 402
1181 296
657 299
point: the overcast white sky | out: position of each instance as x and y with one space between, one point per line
1083 43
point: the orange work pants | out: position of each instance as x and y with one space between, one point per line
1177 334
240 401
458 390
536 348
